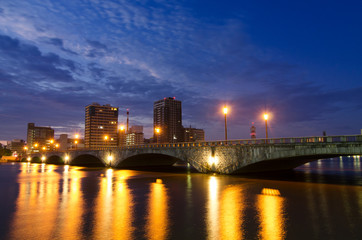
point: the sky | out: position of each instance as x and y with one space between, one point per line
300 61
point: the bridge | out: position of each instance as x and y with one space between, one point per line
225 157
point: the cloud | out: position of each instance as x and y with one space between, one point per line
58 56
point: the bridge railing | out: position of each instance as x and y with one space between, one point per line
295 140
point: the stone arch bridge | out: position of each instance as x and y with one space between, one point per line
226 157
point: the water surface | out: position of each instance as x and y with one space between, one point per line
320 200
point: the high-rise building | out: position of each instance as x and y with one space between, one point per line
135 136
167 116
194 135
39 137
100 126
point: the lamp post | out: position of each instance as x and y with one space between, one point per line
226 129
121 135
157 130
105 139
76 136
266 125
51 141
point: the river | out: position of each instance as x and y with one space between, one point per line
319 200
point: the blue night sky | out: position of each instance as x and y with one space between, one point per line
300 61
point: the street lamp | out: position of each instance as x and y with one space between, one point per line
121 135
157 130
225 109
266 124
105 139
76 136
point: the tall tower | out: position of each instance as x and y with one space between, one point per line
167 115
253 131
100 126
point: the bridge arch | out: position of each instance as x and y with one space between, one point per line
87 160
148 159
36 159
55 159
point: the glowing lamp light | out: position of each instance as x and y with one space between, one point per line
28 159
76 136
35 145
110 158
106 138
158 180
57 145
66 158
266 116
76 142
157 130
121 128
51 141
212 160
43 148
43 158
225 109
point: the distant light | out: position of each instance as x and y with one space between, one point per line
29 158
158 180
266 116
105 137
121 128
76 136
43 158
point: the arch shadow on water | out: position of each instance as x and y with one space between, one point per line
155 163
328 172
55 160
36 159
87 160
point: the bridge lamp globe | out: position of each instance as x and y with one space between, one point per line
43 158
66 158
28 159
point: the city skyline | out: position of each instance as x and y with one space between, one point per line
300 62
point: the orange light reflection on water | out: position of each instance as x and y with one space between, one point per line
212 214
271 216
157 226
231 213
38 194
114 207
